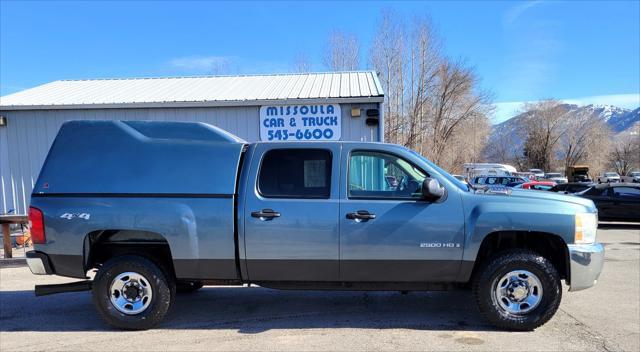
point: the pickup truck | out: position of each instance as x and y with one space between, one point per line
141 210
632 177
608 177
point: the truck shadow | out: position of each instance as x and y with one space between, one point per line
620 225
255 310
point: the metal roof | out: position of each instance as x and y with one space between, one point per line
357 86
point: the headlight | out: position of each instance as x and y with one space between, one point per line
586 227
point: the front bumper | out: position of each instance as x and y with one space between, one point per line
586 261
39 263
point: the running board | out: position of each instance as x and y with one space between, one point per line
43 290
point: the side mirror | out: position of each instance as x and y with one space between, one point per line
431 189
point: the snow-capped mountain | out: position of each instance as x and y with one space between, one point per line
620 120
626 121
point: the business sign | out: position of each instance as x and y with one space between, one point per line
300 122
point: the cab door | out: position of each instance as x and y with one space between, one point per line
387 232
626 203
603 201
291 213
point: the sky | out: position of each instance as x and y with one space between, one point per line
580 52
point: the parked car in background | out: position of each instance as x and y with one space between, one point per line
633 177
577 173
608 177
497 180
471 170
527 175
615 201
537 172
461 178
555 177
537 185
571 187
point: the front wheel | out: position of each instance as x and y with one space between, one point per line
132 292
518 290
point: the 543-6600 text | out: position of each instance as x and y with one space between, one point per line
300 134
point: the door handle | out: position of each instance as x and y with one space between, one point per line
265 214
361 215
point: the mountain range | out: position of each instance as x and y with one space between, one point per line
621 121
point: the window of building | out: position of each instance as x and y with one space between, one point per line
295 173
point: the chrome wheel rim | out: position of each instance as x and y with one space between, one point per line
518 292
130 293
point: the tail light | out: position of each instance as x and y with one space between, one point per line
36 219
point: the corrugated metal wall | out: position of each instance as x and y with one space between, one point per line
26 139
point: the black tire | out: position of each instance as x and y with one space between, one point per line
486 281
162 286
188 286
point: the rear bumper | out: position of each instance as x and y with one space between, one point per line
39 263
586 261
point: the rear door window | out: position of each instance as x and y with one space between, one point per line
626 192
594 191
295 173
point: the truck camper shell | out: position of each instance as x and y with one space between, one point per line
141 157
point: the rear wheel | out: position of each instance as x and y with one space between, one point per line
132 292
518 290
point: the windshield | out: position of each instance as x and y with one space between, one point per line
635 174
551 174
463 186
611 174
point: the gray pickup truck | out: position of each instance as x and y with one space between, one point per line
155 208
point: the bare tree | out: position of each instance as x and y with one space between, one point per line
432 104
586 138
387 58
466 144
454 102
342 52
542 132
424 59
302 63
500 148
625 155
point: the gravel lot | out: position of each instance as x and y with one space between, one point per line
605 318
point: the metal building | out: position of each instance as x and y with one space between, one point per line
283 107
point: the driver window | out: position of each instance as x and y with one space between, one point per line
381 175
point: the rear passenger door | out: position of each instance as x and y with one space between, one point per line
603 201
626 202
291 213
